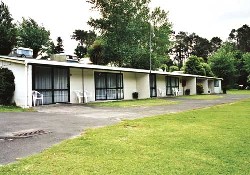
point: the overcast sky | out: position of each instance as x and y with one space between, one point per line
207 18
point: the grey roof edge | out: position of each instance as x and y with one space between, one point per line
98 67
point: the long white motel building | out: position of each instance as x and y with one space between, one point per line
58 81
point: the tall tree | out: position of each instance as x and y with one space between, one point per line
241 38
223 64
125 27
59 45
180 49
246 58
240 68
8 32
158 42
191 44
80 51
118 26
86 38
33 36
201 47
216 43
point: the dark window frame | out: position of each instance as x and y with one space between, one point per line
153 87
52 89
169 85
119 86
216 83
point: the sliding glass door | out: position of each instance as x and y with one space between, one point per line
171 83
153 92
108 86
61 91
52 82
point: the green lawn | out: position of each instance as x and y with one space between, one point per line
135 103
202 97
236 91
206 141
13 109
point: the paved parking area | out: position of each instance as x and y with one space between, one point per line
63 121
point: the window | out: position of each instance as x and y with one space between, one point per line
52 82
171 82
108 86
216 83
152 85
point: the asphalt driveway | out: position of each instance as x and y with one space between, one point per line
61 121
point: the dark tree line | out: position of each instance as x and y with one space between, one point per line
240 40
26 33
186 45
228 60
8 30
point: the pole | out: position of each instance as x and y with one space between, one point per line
150 47
150 57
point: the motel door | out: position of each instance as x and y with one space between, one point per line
52 82
171 82
108 86
152 83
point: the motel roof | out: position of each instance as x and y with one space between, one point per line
28 61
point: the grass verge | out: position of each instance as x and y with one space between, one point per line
238 92
14 109
202 97
135 103
212 141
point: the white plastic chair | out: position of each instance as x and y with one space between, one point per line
80 96
160 93
36 97
176 92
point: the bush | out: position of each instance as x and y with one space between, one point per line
173 68
199 88
164 67
7 86
194 66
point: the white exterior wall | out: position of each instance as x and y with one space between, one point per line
29 85
89 83
211 86
205 86
132 82
81 79
191 84
75 83
22 85
142 85
218 90
161 85
129 84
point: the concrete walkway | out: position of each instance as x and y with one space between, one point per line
62 121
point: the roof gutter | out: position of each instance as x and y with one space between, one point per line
11 61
